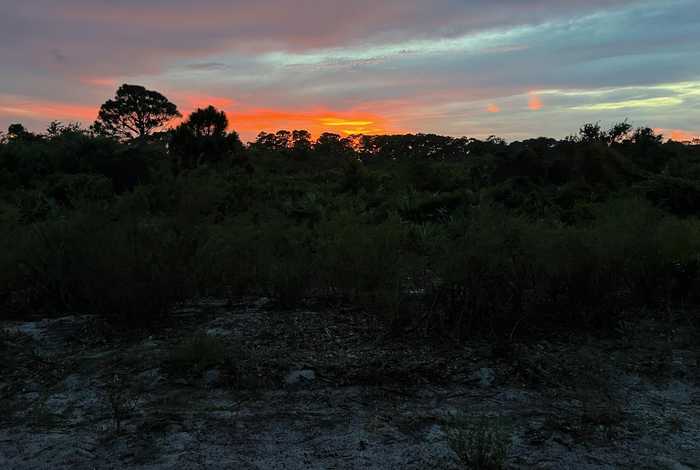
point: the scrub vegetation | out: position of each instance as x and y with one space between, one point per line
463 236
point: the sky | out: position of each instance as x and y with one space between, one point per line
512 68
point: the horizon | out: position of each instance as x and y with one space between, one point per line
517 70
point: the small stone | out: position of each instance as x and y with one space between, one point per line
671 464
212 378
436 434
300 376
150 379
73 383
32 387
486 376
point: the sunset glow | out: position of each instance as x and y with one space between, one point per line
471 68
17 107
678 135
535 103
315 121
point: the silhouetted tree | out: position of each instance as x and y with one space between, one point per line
17 131
265 141
135 112
202 138
619 132
57 129
283 139
647 136
592 133
208 122
332 145
301 143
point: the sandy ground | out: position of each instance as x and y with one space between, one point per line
325 389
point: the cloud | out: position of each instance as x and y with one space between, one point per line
250 122
18 107
207 66
444 61
535 103
492 108
189 102
679 135
631 104
58 56
101 82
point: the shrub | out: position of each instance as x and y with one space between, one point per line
275 258
130 271
364 262
498 272
677 195
483 274
197 354
480 443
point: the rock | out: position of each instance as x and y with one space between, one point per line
486 376
300 376
32 387
212 378
671 464
436 434
217 331
150 379
73 383
33 329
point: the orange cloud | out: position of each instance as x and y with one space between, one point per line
316 121
535 103
683 136
247 121
190 103
187 103
102 82
12 106
493 108
679 135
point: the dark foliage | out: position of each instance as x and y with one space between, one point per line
203 139
134 112
452 235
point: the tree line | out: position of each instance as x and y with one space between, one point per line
453 234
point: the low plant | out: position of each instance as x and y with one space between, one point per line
481 443
121 402
197 354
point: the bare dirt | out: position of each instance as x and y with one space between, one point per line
326 388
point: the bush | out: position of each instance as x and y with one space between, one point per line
677 195
466 236
364 262
499 273
130 271
275 258
480 444
197 354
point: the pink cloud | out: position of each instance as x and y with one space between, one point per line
101 82
189 102
19 107
535 103
679 135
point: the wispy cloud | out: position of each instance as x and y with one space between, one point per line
631 104
14 107
450 63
